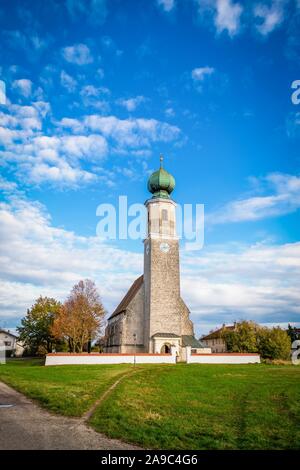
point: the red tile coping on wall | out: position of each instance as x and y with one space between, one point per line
226 354
108 354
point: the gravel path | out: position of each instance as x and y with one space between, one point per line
27 426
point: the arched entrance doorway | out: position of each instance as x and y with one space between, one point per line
166 348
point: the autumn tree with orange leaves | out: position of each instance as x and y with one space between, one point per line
80 318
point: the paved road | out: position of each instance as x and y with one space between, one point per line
27 426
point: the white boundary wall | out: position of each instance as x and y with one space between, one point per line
221 358
59 359
2 353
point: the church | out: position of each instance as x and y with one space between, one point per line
152 317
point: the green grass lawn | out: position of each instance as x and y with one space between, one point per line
206 407
68 390
174 407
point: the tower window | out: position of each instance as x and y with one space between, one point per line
164 215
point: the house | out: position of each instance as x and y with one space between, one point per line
293 332
10 341
215 341
295 337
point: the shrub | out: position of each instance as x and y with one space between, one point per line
243 338
274 343
248 337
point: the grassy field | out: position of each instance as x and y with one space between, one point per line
174 407
206 407
68 390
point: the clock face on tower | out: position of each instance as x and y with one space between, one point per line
147 249
164 247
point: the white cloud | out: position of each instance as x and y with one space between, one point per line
2 92
22 123
132 133
258 282
91 90
200 73
228 16
169 112
39 158
43 107
46 260
270 17
70 123
23 86
233 16
7 136
131 103
285 198
29 43
293 125
94 146
67 81
78 54
69 154
166 5
57 159
62 173
95 97
7 185
220 284
100 73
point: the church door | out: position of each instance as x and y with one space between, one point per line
166 349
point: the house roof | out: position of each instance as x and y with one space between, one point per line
165 335
6 332
128 297
190 340
217 334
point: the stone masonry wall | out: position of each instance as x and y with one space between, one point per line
187 326
164 289
134 323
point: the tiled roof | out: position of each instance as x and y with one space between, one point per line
217 334
165 335
8 333
128 297
189 340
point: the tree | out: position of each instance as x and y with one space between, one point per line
274 343
248 337
35 330
80 318
243 338
293 333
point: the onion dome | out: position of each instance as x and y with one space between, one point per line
161 183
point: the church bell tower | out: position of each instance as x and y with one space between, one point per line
152 317
166 316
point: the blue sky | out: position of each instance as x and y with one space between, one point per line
96 90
